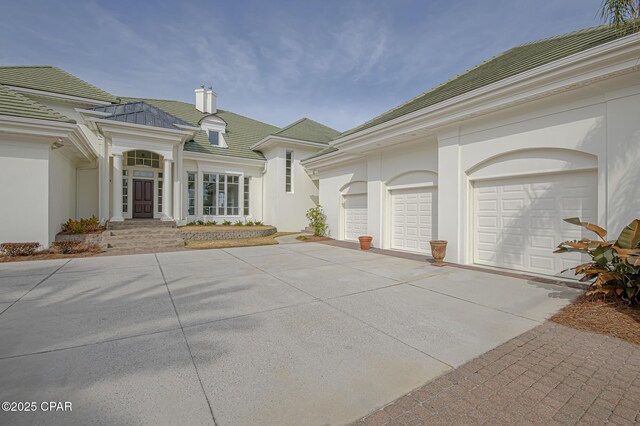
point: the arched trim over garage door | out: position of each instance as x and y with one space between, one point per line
412 210
354 210
519 201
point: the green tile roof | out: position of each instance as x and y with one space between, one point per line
326 150
51 79
241 132
512 62
17 105
308 130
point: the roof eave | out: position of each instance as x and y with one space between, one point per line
274 139
573 63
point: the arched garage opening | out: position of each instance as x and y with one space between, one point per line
412 211
519 201
354 210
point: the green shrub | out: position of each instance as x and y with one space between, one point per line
615 265
249 223
66 247
19 249
213 222
317 221
258 223
199 222
81 226
238 223
226 222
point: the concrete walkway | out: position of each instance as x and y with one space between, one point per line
289 334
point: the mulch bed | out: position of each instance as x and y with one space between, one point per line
46 256
313 238
611 317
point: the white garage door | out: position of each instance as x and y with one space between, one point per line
518 221
412 218
355 216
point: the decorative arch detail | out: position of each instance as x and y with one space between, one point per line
354 187
414 178
532 161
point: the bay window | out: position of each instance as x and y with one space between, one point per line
220 194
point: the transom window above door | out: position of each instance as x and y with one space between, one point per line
143 158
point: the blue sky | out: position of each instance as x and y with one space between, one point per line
337 62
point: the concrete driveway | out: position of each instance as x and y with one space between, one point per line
289 334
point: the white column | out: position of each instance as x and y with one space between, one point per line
449 188
117 189
178 202
374 201
167 186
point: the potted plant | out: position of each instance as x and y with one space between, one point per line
438 251
365 242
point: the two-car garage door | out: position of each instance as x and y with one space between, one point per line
519 221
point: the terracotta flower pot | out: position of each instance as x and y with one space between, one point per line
365 242
438 251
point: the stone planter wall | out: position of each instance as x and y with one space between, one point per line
229 234
93 238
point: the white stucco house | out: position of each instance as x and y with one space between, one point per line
493 159
71 150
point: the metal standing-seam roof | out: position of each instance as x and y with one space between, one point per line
507 64
17 105
308 130
241 132
141 113
52 79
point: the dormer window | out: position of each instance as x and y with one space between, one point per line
214 138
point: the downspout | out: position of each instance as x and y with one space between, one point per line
264 171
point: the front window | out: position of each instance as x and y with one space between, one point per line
246 196
214 138
143 158
220 194
209 184
288 172
191 193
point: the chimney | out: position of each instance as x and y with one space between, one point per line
200 98
211 99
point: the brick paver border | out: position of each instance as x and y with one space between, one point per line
551 375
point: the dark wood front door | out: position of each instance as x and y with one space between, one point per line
142 198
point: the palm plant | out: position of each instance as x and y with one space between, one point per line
620 12
615 265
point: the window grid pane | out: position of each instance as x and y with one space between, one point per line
191 193
159 196
125 193
246 196
220 194
287 168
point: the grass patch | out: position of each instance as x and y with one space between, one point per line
312 238
46 256
611 317
237 242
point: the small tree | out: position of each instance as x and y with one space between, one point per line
317 221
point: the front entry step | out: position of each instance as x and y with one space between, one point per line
142 236
141 223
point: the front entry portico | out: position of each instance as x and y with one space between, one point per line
143 181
